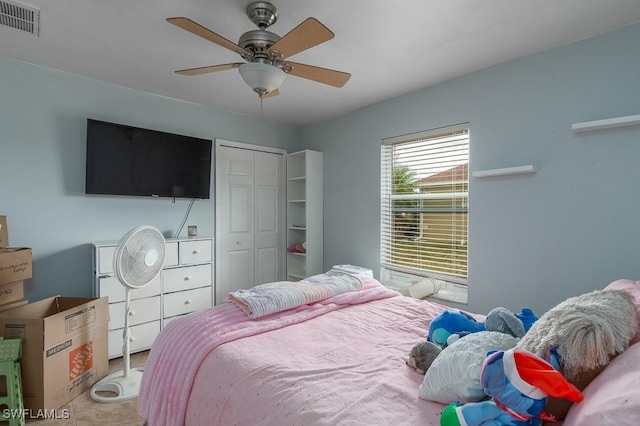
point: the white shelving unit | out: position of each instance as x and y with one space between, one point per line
609 123
304 213
518 170
185 285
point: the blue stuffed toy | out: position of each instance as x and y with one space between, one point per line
518 383
449 326
527 317
448 323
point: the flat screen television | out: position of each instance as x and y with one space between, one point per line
126 160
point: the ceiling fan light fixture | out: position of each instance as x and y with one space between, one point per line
262 78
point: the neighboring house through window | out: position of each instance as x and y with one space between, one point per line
424 201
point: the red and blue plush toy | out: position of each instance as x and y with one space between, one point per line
518 383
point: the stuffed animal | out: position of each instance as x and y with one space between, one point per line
449 326
518 383
527 317
503 320
297 248
422 355
448 323
586 332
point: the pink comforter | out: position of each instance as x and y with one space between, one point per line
347 366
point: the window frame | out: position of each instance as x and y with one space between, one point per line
388 225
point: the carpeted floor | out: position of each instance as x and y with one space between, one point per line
83 411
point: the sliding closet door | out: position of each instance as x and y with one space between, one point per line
250 218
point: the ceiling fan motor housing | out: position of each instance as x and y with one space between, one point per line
257 42
262 13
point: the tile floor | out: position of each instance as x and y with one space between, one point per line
83 411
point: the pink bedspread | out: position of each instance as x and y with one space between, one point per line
346 366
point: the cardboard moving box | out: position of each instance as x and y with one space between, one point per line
12 305
11 292
4 233
64 347
15 264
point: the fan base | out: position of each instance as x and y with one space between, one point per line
124 388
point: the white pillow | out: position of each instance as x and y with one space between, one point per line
455 374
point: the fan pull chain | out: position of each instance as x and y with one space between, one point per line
260 107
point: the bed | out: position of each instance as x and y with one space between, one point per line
337 361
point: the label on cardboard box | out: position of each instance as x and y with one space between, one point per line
80 360
15 264
14 331
79 319
59 347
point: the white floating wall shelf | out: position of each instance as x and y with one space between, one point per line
504 171
609 123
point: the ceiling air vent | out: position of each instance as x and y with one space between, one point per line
20 17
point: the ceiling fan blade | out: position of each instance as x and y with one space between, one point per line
271 94
306 35
321 75
197 29
212 68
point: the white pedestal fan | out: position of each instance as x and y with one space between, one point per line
137 261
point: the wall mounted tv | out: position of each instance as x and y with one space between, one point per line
126 160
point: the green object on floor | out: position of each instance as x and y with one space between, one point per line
10 353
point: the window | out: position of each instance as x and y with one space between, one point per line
424 190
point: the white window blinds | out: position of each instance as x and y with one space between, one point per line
424 199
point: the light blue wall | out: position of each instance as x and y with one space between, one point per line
43 117
534 240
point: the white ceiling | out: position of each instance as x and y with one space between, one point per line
390 47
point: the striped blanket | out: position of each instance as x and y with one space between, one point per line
279 296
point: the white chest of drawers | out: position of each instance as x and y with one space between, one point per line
186 284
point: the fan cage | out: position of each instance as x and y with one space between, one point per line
140 256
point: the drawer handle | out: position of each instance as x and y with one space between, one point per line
132 313
132 339
187 302
196 251
187 278
105 276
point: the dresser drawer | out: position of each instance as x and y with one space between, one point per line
184 302
105 256
140 337
198 251
171 254
112 288
178 279
142 310
105 259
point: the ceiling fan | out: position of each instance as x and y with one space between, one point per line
266 54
